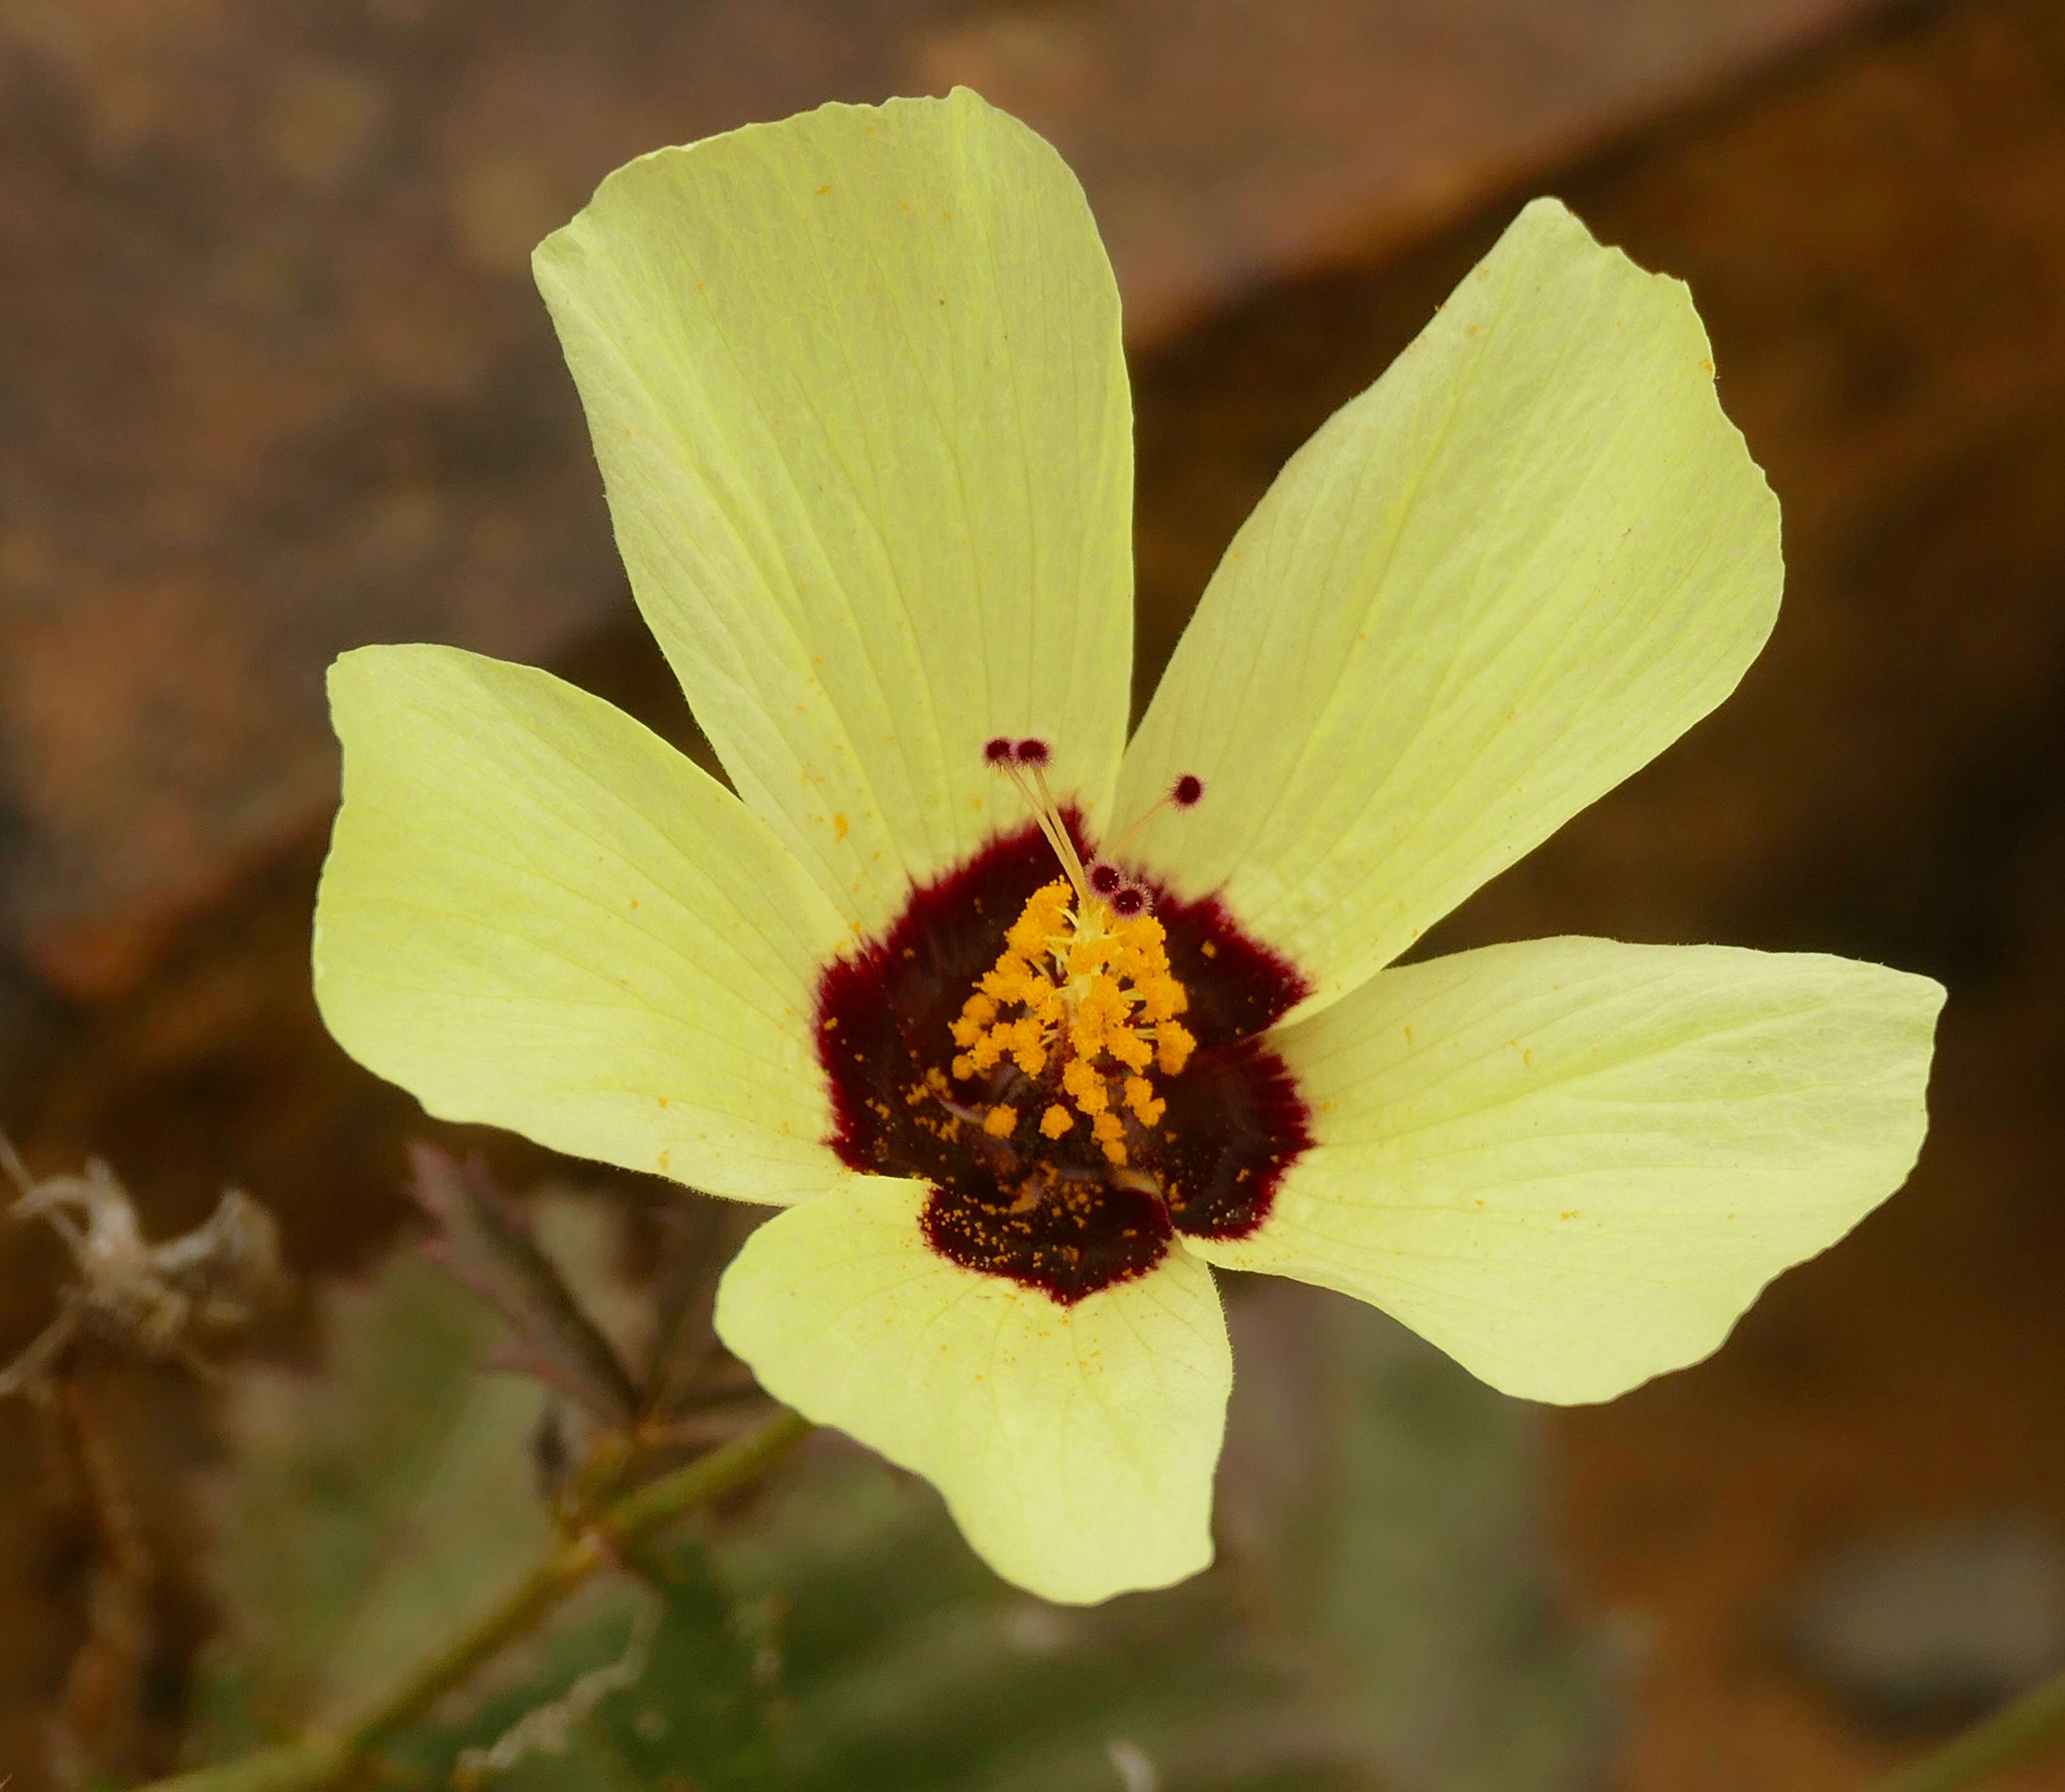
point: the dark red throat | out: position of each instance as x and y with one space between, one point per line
1053 1214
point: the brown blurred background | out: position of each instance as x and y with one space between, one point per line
273 382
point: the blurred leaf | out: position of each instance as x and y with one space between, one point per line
371 1512
905 1665
1381 1616
653 1688
1381 1619
484 1239
698 1238
1383 1507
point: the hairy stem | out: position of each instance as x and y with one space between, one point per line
1999 1742
322 1760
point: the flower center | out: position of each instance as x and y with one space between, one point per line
1077 1084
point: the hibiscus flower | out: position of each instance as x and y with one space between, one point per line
1026 1028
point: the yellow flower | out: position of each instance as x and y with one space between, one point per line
1025 1026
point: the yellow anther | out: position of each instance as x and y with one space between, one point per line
1028 1048
1131 1050
1086 1087
1173 1046
1103 999
1162 997
1042 919
983 1055
1075 984
1109 1130
1010 979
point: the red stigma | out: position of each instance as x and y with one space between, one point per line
998 751
1104 879
1032 751
1128 902
1187 791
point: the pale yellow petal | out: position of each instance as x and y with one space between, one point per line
855 383
537 914
1573 1163
1075 1445
1515 569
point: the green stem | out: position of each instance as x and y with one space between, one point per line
321 1760
1999 1742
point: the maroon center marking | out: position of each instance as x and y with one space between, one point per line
1053 1214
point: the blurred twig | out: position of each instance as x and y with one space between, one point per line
159 1302
2034 1720
99 1715
483 1241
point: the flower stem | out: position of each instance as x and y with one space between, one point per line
318 1759
1999 1741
